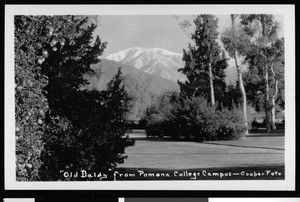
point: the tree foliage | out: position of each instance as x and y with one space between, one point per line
266 48
236 43
95 142
232 96
254 78
261 57
198 58
30 102
79 128
235 39
140 93
193 119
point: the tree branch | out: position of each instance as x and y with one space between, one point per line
273 69
234 15
180 26
196 91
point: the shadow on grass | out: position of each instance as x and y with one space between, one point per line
259 132
223 143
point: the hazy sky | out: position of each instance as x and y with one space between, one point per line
148 31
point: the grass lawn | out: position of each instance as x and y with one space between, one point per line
256 141
257 152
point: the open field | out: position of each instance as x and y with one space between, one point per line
256 150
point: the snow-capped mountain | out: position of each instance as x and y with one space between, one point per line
107 69
155 61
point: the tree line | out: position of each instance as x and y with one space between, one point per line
255 42
255 39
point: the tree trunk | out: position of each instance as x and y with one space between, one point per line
240 80
242 90
212 93
267 101
267 97
273 107
273 111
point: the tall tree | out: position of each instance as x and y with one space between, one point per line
235 42
277 69
90 128
205 62
255 82
262 30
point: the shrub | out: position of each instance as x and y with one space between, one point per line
159 117
195 119
155 125
30 102
230 124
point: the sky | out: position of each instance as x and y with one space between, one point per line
149 31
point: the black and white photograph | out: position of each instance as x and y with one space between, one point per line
150 97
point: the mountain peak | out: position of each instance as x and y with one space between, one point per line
156 61
136 51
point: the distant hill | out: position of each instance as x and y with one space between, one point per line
143 88
106 69
154 61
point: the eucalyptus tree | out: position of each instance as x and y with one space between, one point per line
236 43
262 29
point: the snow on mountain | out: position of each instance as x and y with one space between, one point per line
155 61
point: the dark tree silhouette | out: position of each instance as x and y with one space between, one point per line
205 62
